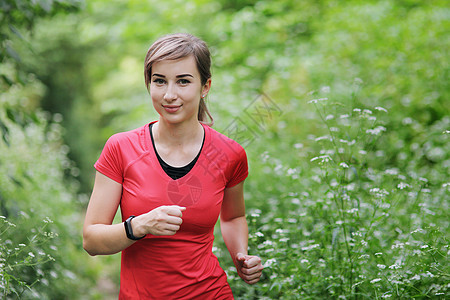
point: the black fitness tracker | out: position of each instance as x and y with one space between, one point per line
129 230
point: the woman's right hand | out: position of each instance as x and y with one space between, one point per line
163 220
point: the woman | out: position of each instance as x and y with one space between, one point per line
172 178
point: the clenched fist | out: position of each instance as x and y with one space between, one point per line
163 220
249 267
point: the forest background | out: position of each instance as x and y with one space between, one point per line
342 107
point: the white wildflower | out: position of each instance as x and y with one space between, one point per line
317 100
310 247
380 266
424 247
325 137
324 158
259 234
395 266
344 165
292 171
393 171
427 274
375 280
423 179
31 254
269 262
298 146
357 110
407 121
417 252
378 253
398 245
377 130
415 277
47 220
367 111
380 193
352 211
325 89
345 116
295 201
379 108
304 261
403 185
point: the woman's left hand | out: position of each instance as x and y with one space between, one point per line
249 267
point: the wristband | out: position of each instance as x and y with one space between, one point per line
129 230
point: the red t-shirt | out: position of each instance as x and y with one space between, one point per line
181 266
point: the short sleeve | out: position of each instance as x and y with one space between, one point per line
110 162
240 168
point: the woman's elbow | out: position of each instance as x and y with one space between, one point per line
87 245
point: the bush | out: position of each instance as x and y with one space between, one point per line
38 260
348 224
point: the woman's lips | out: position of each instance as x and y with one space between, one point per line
171 108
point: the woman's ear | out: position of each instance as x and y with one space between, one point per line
206 87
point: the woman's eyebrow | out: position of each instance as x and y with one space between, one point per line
184 75
178 76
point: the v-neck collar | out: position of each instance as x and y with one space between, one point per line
155 155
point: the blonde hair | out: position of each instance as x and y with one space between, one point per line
176 46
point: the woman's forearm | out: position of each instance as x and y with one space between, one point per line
103 239
235 235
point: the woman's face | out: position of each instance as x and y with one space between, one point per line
176 89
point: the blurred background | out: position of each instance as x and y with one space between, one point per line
342 106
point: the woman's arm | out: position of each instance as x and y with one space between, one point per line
234 229
101 237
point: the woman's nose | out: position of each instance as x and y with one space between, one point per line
170 93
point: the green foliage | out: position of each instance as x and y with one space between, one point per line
38 260
347 225
347 197
17 260
33 188
17 15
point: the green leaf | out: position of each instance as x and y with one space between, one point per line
5 133
15 31
12 53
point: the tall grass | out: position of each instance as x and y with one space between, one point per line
345 222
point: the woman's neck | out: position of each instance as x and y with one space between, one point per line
177 135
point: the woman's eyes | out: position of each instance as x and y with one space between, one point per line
159 81
182 82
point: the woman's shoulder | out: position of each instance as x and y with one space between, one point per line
134 136
223 141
